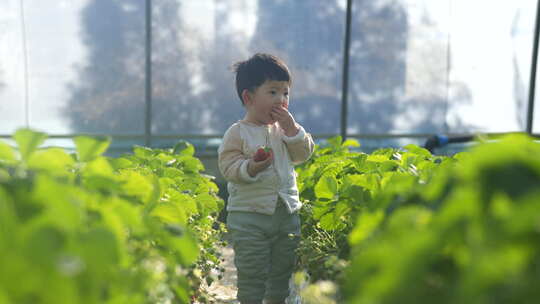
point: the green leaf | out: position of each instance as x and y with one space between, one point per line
187 248
378 158
320 209
99 166
335 142
331 221
44 245
88 148
140 186
102 183
121 163
100 248
6 152
3 298
130 215
98 174
367 181
418 150
154 164
388 165
170 213
326 187
413 217
408 159
355 192
181 291
184 148
328 222
142 152
28 141
114 222
366 224
207 203
191 164
399 183
165 158
185 201
359 161
60 201
54 160
342 208
172 172
350 143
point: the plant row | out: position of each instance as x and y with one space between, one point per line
405 226
84 228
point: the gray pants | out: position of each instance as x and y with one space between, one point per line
264 247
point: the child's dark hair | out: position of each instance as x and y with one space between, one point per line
256 70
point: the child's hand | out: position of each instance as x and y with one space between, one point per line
255 167
285 119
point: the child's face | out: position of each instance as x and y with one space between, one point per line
270 94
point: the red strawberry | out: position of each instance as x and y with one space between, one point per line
262 154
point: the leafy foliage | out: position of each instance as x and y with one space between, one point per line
412 227
393 226
84 228
337 186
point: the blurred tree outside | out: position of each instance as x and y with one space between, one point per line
193 87
108 96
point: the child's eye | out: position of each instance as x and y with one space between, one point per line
273 92
286 94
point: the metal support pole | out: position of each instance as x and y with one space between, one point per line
345 80
26 75
148 78
532 80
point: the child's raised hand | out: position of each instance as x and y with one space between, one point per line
285 119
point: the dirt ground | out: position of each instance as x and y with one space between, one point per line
224 290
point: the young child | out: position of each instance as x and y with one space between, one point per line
263 199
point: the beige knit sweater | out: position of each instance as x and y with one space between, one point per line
260 193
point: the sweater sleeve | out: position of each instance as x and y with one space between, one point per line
300 146
232 162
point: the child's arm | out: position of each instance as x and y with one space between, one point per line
233 164
299 143
300 146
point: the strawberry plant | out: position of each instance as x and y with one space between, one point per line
337 185
84 228
470 235
402 225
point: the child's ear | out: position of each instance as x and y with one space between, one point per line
246 97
